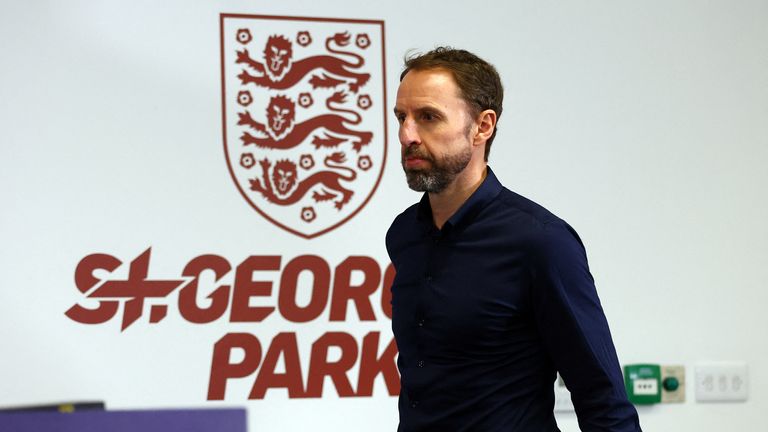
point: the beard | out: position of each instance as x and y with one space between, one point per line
440 175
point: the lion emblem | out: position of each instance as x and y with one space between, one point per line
282 72
326 185
283 134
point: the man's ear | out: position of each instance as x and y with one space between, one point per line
486 124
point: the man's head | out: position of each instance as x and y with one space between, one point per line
478 80
447 106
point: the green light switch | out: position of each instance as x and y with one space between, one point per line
643 383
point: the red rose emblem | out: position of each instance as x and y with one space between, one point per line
306 161
364 163
364 101
244 98
305 100
362 41
308 214
247 160
303 38
244 36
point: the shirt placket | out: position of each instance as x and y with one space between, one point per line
433 241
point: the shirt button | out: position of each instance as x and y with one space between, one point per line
428 278
421 322
414 404
420 363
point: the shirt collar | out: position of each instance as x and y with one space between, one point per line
488 190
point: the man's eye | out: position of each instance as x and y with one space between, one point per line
400 118
428 116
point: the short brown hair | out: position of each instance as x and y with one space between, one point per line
477 79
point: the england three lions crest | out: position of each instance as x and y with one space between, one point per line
304 112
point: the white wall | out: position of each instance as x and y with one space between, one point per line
644 124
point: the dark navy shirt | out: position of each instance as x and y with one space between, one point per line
487 309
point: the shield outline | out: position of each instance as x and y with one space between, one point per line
341 222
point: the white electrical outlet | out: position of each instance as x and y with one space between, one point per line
563 401
721 382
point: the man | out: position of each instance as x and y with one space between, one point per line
492 295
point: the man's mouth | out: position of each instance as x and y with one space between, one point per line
415 162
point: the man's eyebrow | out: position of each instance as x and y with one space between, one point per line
421 109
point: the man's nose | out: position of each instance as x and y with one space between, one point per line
408 133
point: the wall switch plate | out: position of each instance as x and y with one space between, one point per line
563 401
672 383
721 382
